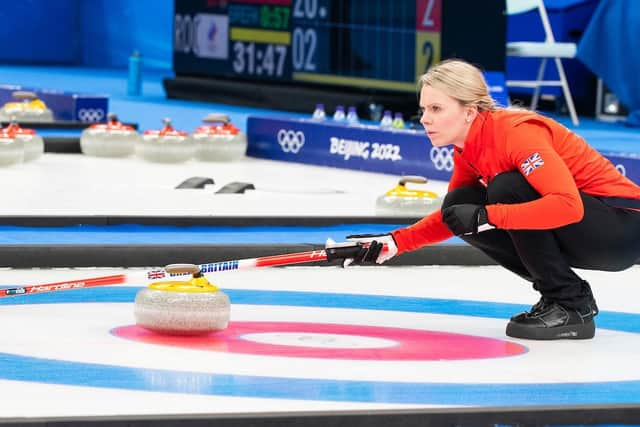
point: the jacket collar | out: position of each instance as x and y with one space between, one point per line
478 133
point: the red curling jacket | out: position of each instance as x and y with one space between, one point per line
554 160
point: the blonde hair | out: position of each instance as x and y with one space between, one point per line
461 81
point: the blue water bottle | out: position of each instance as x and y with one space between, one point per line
134 84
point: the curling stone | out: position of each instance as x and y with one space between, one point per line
220 141
11 148
33 143
111 139
402 201
28 109
166 145
191 307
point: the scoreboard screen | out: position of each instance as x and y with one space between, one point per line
383 44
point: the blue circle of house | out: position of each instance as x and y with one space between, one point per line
41 370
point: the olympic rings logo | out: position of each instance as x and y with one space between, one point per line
90 114
291 141
442 158
621 169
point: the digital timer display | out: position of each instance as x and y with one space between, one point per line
259 59
366 43
339 48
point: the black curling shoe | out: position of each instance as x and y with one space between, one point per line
551 321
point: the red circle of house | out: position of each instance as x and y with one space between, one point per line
406 344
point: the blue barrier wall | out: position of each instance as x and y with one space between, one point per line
368 148
40 32
96 33
113 29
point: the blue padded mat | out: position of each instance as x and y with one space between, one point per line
157 235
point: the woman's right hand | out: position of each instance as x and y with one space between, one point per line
375 248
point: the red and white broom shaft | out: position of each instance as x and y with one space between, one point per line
265 261
338 251
63 286
332 251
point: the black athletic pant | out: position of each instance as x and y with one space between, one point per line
607 238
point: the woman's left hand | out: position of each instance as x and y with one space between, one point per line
466 219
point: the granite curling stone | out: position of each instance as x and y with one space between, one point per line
27 108
166 145
192 307
32 143
219 140
11 148
111 139
408 202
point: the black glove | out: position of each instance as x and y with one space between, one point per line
466 219
371 249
